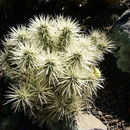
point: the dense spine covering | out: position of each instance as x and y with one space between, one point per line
54 66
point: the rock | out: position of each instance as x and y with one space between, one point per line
108 116
121 36
124 21
100 113
89 122
124 18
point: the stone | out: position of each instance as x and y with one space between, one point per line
121 37
89 122
100 113
124 21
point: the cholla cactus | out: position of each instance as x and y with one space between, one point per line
55 67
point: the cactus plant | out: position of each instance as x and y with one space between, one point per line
54 67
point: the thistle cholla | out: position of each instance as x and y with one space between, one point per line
54 66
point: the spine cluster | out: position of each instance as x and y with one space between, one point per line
54 67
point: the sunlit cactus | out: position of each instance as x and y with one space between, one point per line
54 66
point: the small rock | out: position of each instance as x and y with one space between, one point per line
105 122
115 121
94 112
89 122
103 118
108 116
99 113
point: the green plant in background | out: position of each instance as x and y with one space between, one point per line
122 54
54 67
